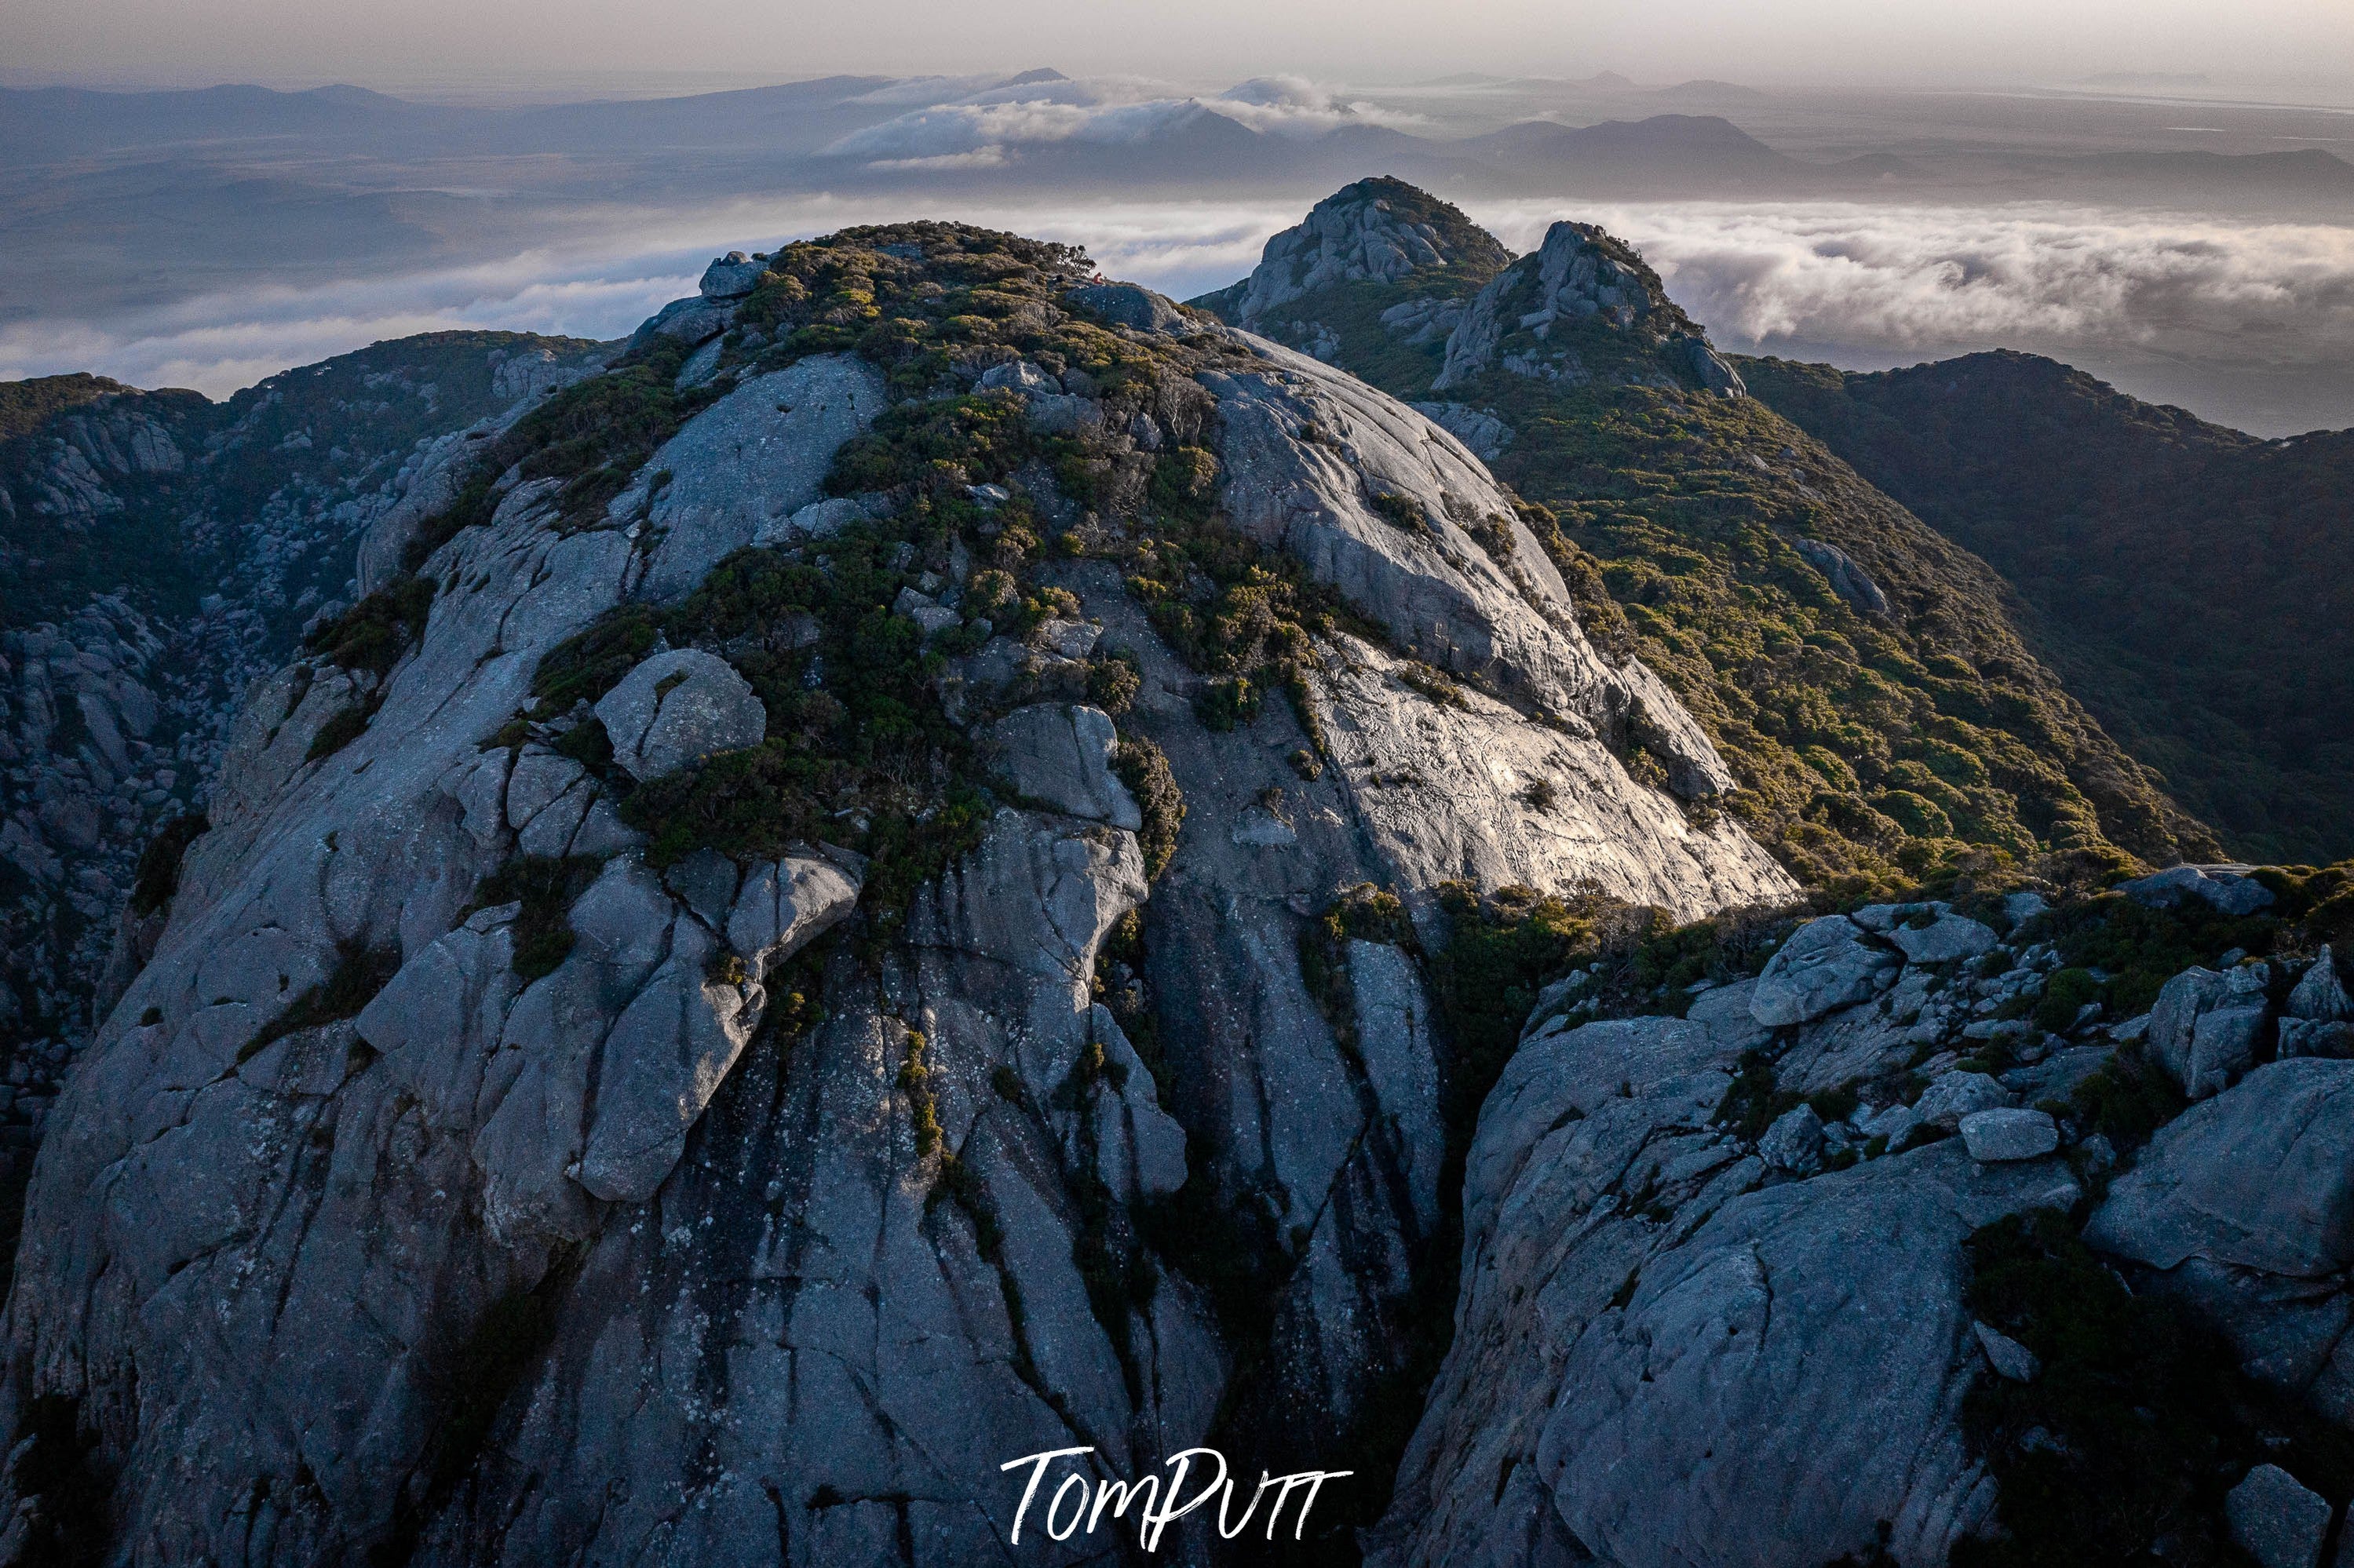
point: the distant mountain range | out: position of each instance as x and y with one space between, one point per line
853 130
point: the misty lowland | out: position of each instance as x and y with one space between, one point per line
931 820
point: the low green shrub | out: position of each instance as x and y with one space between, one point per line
359 973
1144 768
372 634
547 887
158 878
345 725
2138 1423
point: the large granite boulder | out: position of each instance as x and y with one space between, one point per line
1061 755
1945 938
2205 1027
2244 1207
731 277
2228 889
1826 964
677 708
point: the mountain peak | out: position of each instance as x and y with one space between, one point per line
1378 230
1585 295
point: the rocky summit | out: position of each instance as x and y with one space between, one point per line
936 859
693 1020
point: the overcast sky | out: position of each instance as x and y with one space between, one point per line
398 43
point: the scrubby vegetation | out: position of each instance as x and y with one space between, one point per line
2191 581
547 887
158 878
1873 752
359 973
372 635
1145 770
2121 1450
26 406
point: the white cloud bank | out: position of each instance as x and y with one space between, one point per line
1930 279
219 343
2221 315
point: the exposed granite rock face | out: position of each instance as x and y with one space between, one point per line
2320 994
762 1304
1525 321
751 460
1478 428
2245 1206
1688 1333
158 556
1721 1373
1376 501
2277 1521
1373 231
731 277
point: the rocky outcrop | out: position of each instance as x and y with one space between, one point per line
1377 230
1660 1356
1525 321
673 1233
1694 1326
1379 504
1829 964
1685 1335
2245 1206
1478 428
1314 280
1847 579
158 556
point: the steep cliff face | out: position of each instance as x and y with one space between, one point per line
694 1031
158 554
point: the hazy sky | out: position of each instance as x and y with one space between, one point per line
397 43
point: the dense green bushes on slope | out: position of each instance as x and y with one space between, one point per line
26 406
2194 585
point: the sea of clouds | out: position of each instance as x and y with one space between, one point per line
2225 306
